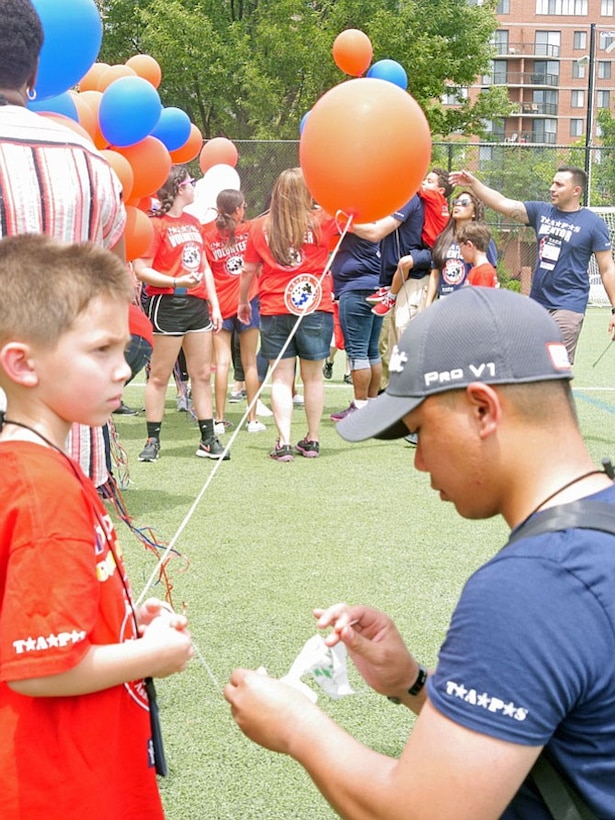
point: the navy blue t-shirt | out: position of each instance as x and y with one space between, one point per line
566 241
529 658
356 265
406 239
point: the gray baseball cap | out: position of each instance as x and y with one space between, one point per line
488 335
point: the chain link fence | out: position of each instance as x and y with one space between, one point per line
521 171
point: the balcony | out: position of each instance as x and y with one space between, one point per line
521 78
513 50
538 109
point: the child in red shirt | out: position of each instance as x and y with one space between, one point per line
474 239
75 732
434 193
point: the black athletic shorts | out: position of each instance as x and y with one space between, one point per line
176 315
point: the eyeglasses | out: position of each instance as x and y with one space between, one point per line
190 181
464 201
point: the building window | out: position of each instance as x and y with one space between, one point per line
576 127
503 7
547 43
606 8
455 96
579 41
500 41
546 72
607 38
577 99
604 69
572 8
603 99
544 131
578 70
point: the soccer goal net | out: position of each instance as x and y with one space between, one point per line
597 293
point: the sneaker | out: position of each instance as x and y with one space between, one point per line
384 307
377 296
347 378
282 452
211 448
183 404
150 451
236 396
298 399
124 410
341 414
327 370
220 427
309 449
263 410
255 426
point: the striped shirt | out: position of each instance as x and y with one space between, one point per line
54 181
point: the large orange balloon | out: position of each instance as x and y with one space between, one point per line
190 149
151 164
113 73
138 233
352 52
217 151
365 148
90 81
146 67
123 169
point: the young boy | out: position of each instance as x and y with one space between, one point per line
434 192
474 239
75 735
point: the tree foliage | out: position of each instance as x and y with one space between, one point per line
250 69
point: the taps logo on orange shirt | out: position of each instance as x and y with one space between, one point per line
303 294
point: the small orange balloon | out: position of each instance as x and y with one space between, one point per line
146 67
217 151
93 98
87 116
138 234
145 204
68 122
123 169
112 74
365 149
352 52
151 164
90 81
190 149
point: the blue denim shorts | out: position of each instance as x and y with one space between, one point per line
361 329
233 325
311 341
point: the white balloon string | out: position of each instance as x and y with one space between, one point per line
171 545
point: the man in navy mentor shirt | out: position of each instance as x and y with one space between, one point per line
567 235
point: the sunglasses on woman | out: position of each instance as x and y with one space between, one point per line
464 201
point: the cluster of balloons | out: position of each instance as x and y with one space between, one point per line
119 109
365 145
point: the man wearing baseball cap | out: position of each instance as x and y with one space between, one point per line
528 664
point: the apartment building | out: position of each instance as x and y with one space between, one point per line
556 59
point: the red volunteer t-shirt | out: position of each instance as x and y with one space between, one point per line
294 288
177 249
226 263
436 212
64 758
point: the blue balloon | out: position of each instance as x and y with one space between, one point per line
303 122
173 128
73 36
129 111
391 71
62 104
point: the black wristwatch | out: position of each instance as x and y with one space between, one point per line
416 686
